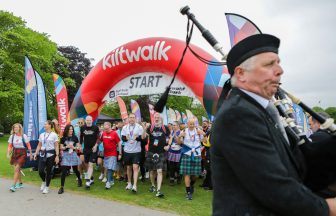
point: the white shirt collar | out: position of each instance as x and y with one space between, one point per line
261 100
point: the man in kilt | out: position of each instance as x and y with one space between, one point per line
156 160
190 164
111 142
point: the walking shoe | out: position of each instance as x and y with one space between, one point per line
61 190
91 182
159 194
112 182
104 180
43 185
87 184
129 186
152 189
134 189
18 185
45 190
101 176
79 183
189 196
12 188
107 185
192 189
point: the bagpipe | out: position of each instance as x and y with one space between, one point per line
319 154
326 123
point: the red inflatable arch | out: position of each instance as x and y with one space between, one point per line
158 55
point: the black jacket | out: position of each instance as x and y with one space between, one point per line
255 171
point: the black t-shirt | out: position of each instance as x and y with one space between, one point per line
89 135
67 140
157 139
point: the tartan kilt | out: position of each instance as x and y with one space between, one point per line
70 159
189 166
174 156
110 163
19 156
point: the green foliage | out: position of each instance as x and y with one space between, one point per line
73 70
332 112
17 41
318 109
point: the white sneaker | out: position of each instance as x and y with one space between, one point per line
104 180
107 185
134 189
112 183
129 186
45 190
43 185
101 176
87 184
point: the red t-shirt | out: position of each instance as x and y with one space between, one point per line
110 142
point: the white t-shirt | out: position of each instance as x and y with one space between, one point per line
17 141
48 141
193 141
133 131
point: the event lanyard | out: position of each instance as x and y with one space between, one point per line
45 139
174 135
131 132
192 139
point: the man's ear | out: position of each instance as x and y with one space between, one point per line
240 74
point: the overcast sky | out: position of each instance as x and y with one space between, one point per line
306 29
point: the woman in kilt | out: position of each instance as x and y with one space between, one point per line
17 152
69 146
190 164
174 154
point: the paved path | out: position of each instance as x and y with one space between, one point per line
30 202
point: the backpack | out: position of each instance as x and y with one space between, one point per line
23 141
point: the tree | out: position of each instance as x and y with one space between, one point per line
332 112
16 41
74 70
318 109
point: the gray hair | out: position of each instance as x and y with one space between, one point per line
247 65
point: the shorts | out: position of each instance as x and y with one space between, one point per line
132 158
90 156
100 154
155 164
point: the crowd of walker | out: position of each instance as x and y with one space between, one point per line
125 151
256 167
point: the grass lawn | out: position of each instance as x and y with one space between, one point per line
174 200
